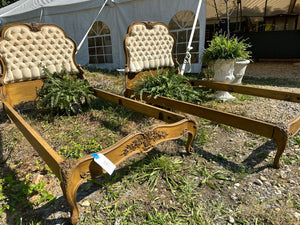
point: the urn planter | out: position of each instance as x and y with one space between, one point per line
223 72
239 70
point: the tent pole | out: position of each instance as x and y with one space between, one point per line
41 15
189 47
86 34
266 5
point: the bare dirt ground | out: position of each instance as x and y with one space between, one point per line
252 192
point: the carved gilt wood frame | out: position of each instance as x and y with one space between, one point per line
279 133
71 172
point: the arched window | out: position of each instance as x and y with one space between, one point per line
99 44
181 26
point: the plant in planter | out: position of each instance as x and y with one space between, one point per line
63 93
221 55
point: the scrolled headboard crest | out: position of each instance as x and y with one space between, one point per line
34 26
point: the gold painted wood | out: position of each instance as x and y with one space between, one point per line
279 133
148 110
294 126
76 172
72 173
39 144
255 126
243 89
14 93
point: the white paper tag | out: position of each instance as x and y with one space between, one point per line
104 162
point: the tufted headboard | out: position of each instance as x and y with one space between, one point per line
26 48
147 45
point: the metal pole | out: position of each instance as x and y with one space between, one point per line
86 34
189 47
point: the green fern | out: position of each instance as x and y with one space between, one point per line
63 93
170 84
224 47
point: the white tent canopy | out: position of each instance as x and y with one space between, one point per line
76 16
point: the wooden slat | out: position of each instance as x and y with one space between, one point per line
140 107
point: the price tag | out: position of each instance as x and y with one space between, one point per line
104 162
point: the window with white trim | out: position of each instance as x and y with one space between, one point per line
181 27
99 44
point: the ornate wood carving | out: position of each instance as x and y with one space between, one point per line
35 27
149 25
144 141
66 168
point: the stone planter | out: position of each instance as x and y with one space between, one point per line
223 72
239 70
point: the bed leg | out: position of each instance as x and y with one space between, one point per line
191 135
280 137
70 182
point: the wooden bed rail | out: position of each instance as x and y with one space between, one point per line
278 132
242 89
72 173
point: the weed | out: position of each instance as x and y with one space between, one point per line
251 144
72 150
164 168
291 158
107 182
202 136
227 128
242 97
77 150
188 193
18 192
295 140
160 218
204 172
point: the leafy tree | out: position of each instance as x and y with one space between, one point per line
5 3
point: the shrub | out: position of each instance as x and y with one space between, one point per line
170 84
63 93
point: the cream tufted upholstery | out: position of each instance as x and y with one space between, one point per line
26 52
148 48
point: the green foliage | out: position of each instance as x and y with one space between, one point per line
6 3
296 140
224 47
207 175
64 93
15 193
162 167
170 84
77 150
